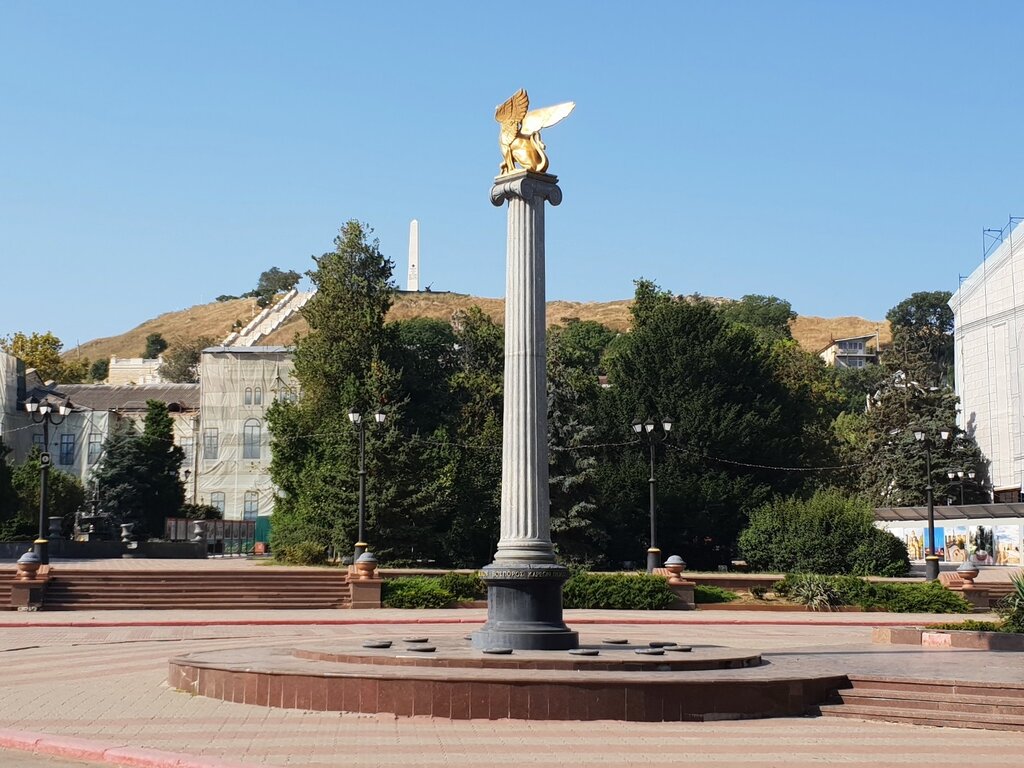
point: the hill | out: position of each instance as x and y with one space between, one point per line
216 320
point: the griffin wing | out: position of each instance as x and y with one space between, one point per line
514 110
545 117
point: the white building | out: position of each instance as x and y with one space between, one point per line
135 370
852 352
989 351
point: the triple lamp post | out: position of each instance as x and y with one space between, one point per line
959 475
647 430
931 560
360 423
43 412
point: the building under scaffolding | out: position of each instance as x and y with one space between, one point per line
988 308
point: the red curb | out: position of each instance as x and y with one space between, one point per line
120 754
443 620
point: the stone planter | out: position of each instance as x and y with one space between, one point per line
28 566
366 566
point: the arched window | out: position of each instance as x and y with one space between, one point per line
251 439
257 396
248 396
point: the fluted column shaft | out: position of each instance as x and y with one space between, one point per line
525 523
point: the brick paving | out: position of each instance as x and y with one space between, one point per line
106 685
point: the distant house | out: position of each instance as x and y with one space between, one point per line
852 352
135 370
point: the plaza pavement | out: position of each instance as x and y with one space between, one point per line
93 684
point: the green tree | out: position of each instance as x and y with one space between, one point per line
735 417
347 362
155 344
42 352
922 326
8 494
65 495
181 363
894 464
768 316
272 282
99 370
138 476
579 343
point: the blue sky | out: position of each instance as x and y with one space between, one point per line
839 155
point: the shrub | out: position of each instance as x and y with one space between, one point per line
415 592
826 592
1011 607
816 535
302 553
968 625
464 586
758 591
706 593
619 591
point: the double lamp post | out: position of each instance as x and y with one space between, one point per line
43 412
359 422
649 431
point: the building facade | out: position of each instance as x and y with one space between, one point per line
853 352
988 312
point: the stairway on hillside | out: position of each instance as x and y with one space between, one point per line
254 589
269 320
953 704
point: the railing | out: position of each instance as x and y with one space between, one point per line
224 538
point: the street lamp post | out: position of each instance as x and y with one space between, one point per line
360 423
959 474
42 412
931 560
647 429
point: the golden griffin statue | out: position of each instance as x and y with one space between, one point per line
520 132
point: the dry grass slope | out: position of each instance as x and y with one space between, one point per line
215 320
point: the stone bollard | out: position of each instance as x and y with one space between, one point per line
28 566
675 566
366 565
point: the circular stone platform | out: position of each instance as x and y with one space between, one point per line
459 682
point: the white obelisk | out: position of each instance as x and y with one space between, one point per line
413 282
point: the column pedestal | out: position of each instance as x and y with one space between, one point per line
524 583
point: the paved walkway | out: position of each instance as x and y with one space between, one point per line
101 688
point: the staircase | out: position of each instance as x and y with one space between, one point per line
252 588
269 320
6 577
990 706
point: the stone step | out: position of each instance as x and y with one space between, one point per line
929 689
1001 705
943 718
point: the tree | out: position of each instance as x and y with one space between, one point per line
155 344
768 316
99 371
579 344
922 325
894 469
347 362
181 363
736 418
42 352
138 476
8 493
65 495
272 282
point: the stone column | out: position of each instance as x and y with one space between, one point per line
524 583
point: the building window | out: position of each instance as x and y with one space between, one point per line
252 505
67 449
37 442
248 396
211 443
257 396
95 447
251 439
187 448
217 500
